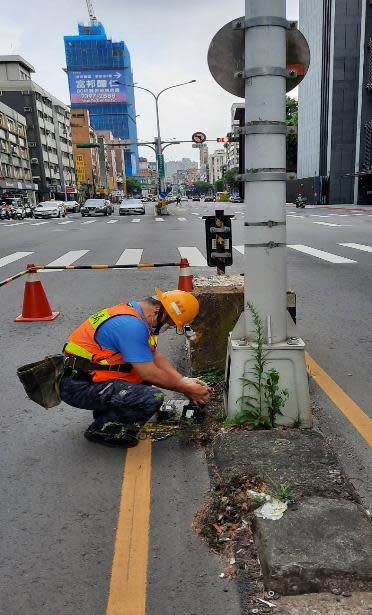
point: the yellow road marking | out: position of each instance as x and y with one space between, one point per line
357 417
127 595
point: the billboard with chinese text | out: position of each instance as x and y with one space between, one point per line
96 86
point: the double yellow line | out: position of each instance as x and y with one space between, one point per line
128 586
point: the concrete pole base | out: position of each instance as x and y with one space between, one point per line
288 358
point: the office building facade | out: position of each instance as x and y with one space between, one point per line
335 102
15 165
98 70
87 168
47 126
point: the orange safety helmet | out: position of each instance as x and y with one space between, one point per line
182 307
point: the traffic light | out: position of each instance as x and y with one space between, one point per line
230 138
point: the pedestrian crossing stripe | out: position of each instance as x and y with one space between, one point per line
325 256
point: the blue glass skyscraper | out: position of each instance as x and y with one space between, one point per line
97 68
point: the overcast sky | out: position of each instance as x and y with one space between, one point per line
168 41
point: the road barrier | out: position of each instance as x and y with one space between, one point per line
14 277
36 305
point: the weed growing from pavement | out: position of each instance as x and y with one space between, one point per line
279 490
265 400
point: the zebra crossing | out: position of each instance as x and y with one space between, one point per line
318 219
195 256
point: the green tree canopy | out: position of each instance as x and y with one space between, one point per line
219 185
230 178
292 120
203 187
133 186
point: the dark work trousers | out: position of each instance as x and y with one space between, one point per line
113 400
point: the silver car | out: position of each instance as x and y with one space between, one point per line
50 209
131 206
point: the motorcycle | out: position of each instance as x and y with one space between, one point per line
29 212
20 213
3 214
301 201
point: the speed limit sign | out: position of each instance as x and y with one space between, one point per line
199 137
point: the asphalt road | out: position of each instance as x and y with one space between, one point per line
60 494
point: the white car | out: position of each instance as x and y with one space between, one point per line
184 198
131 206
50 209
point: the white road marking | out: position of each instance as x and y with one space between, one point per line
39 223
66 222
294 216
357 214
325 256
357 246
89 222
330 224
66 259
13 223
194 213
321 215
194 256
239 249
182 219
130 256
16 256
136 220
112 221
159 219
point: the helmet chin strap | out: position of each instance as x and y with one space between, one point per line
159 320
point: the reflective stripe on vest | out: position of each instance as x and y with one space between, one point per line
82 343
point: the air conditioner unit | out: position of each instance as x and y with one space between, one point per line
32 144
34 161
27 108
36 177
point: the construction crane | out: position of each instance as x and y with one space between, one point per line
91 10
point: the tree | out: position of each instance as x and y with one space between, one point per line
230 179
219 185
202 187
133 186
292 120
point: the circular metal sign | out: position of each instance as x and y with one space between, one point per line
199 137
226 56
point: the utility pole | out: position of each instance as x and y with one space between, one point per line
265 271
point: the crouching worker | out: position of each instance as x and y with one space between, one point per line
113 367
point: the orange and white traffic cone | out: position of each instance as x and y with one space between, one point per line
185 277
35 303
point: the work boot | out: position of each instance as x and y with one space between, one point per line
112 434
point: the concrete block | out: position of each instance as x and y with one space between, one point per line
320 544
298 457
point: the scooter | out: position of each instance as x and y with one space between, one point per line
28 211
20 213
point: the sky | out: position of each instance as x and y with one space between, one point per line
168 41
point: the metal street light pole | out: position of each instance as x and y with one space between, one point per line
158 146
265 272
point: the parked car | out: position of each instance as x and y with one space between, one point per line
93 207
50 209
184 198
209 199
196 198
131 206
73 206
236 199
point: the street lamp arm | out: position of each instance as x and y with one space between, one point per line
177 85
173 143
139 87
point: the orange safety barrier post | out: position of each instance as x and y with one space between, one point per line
185 277
35 303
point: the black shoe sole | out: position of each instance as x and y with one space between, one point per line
112 443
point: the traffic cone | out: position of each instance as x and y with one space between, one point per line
185 277
35 303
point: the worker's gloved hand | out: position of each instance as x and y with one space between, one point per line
196 392
198 381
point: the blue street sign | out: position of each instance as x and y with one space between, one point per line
163 195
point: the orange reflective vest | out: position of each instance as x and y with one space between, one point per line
82 343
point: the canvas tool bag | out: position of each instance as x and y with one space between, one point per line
41 380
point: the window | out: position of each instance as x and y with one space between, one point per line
117 53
